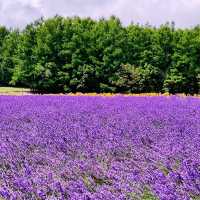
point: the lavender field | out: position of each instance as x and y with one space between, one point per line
90 148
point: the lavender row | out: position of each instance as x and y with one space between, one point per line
89 148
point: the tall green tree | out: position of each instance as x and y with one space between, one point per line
3 71
84 55
24 68
182 74
9 56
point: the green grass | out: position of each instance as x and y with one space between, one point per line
7 90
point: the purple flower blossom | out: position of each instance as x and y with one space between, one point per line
62 147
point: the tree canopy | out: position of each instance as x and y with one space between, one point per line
84 55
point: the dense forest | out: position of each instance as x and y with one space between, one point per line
84 55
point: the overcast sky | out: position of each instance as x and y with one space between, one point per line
185 13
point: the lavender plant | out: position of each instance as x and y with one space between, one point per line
90 148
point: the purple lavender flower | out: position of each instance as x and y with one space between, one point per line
64 147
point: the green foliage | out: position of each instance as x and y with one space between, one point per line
5 69
83 55
138 79
197 197
148 196
8 56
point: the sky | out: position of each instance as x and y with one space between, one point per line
185 13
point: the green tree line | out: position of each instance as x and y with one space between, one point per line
84 55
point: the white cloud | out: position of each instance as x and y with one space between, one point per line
185 13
